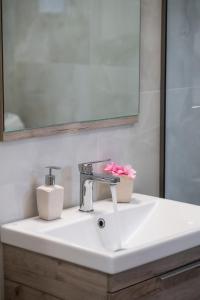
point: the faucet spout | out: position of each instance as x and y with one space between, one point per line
106 178
87 180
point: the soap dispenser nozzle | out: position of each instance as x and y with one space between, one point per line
50 178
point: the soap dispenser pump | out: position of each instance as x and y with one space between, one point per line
50 197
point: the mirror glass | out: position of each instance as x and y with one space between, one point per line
69 61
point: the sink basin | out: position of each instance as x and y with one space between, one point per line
142 231
88 233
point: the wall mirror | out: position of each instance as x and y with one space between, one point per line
68 65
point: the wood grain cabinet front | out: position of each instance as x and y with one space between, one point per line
180 284
32 276
17 291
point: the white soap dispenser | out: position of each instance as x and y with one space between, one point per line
50 198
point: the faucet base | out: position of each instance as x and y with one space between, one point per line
86 211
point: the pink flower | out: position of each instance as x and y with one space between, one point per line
117 170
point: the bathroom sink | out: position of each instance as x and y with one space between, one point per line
142 231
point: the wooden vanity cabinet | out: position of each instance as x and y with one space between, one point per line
32 276
180 284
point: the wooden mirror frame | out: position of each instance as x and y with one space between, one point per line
50 130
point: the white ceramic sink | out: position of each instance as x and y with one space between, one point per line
148 229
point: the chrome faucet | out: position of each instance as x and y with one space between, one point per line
87 179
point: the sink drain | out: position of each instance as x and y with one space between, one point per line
101 223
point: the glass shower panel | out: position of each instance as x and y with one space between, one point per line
183 101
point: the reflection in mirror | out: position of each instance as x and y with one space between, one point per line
69 61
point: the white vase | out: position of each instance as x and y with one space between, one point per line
125 189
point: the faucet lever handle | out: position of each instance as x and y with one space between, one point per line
87 167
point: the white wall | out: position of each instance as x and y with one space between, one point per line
22 162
